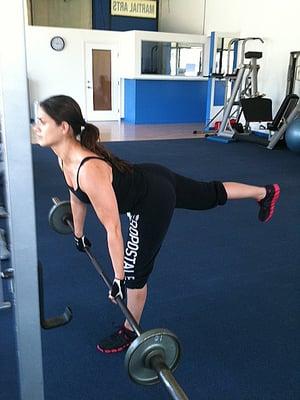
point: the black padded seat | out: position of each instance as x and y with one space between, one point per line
253 54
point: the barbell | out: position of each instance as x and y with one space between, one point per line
154 354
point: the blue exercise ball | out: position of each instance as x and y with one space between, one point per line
292 136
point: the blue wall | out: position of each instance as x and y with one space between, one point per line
219 93
164 101
103 20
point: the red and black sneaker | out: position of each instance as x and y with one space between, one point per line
267 204
118 341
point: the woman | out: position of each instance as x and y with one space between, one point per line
147 192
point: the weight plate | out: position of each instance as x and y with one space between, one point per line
148 344
57 216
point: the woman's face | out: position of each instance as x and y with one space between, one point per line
47 132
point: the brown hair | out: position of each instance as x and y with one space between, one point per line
65 108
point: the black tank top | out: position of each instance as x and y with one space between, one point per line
129 187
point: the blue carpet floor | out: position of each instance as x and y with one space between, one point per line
224 283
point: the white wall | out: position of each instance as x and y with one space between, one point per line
181 16
277 22
64 72
61 72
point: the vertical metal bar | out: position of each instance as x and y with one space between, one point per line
20 197
221 56
254 68
211 81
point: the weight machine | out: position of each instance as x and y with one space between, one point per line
245 87
223 56
22 274
229 75
291 110
246 98
274 131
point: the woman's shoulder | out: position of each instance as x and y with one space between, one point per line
91 158
91 163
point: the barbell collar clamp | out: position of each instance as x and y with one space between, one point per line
153 353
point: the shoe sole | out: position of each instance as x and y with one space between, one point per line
274 201
110 351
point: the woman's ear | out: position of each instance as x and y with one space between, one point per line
65 127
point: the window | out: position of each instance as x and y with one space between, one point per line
172 58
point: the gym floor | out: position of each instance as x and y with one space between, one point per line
114 131
224 283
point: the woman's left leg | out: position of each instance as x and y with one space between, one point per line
195 195
236 190
136 299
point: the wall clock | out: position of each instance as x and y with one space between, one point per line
57 43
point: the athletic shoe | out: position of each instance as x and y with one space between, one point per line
118 341
267 204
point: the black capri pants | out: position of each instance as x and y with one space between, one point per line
149 221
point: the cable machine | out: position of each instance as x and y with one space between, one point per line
15 121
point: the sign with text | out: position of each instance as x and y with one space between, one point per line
134 8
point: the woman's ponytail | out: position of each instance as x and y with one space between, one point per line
90 139
89 136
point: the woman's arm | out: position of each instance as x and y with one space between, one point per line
95 181
78 210
79 213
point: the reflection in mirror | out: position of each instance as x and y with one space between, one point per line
172 58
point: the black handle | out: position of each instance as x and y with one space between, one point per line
53 322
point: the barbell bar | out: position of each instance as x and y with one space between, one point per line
154 354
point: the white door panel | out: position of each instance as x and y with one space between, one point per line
102 82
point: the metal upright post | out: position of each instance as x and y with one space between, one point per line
20 197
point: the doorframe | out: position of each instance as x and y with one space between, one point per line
115 113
